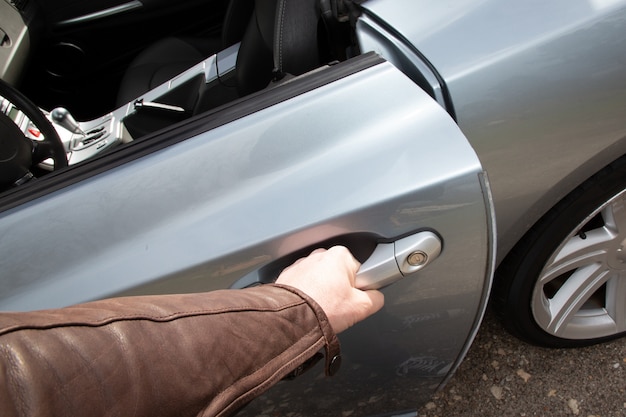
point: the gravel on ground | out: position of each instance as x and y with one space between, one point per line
503 376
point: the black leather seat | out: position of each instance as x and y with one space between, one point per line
170 56
277 37
282 38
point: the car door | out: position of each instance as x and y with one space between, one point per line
353 154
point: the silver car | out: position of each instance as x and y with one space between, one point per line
465 151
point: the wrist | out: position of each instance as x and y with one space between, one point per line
332 346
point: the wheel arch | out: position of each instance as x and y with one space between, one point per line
511 263
517 232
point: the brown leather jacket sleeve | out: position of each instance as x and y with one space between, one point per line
176 355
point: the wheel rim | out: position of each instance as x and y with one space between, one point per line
581 292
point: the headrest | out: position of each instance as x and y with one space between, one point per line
296 48
281 38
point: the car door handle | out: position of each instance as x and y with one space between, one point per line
393 261
388 263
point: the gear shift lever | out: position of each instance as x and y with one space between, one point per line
62 117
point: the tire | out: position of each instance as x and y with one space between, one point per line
564 284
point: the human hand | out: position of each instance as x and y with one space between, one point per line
328 276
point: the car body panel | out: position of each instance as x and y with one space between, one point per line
532 93
368 158
537 88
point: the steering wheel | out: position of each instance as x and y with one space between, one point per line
18 154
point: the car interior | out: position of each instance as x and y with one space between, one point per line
106 73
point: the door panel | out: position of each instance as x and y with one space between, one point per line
59 11
366 160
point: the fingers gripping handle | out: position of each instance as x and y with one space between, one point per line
392 261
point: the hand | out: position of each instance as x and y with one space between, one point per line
327 276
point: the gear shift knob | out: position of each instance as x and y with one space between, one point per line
62 117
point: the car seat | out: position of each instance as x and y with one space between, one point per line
170 56
277 37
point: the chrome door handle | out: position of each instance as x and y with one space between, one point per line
393 261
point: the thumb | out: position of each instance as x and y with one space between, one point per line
369 302
377 300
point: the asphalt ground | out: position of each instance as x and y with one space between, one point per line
503 376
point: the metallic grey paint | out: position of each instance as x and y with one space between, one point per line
370 153
530 83
536 87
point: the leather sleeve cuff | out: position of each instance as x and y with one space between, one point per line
332 346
